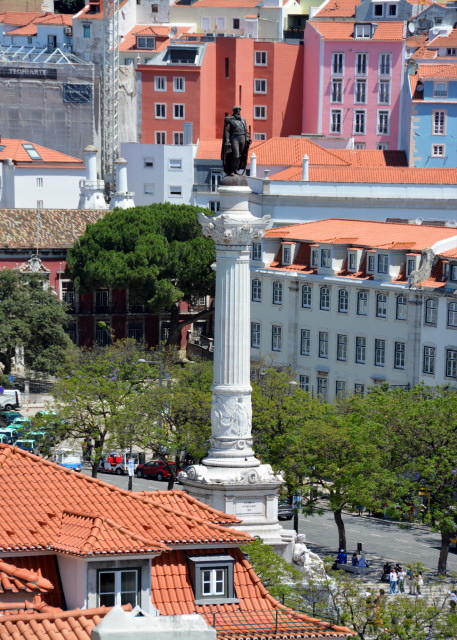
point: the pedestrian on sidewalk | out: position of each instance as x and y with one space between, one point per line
401 580
393 579
413 584
420 583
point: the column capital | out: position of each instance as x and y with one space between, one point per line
234 230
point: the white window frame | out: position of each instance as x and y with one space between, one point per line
383 263
381 305
205 23
362 303
382 93
213 578
161 137
220 23
360 349
324 299
341 347
306 296
439 127
326 258
359 389
360 122
401 308
277 292
370 263
362 31
337 68
431 311
440 94
260 58
303 382
381 129
148 189
336 91
179 111
39 182
314 258
256 290
381 146
323 344
145 42
305 342
360 91
451 363
340 389
175 191
179 84
343 301
428 364
438 151
175 164
160 110
276 337
452 314
260 85
287 255
399 355
260 112
336 121
360 68
178 138
322 387
117 593
260 136
379 352
385 64
257 251
255 335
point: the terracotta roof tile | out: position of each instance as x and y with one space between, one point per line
337 9
55 18
128 42
27 30
445 41
385 31
387 175
185 503
30 608
257 614
15 579
417 41
14 149
437 71
59 228
19 18
22 529
233 4
45 567
424 53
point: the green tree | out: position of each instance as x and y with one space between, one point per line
32 318
94 388
158 252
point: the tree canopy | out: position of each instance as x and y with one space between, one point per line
158 252
32 318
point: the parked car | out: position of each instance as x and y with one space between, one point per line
285 509
21 422
155 469
27 445
117 463
11 434
7 417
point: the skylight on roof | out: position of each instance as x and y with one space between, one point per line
33 153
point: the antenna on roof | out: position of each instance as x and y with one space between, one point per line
411 27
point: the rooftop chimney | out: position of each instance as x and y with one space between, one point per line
305 172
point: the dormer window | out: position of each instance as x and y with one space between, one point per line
314 258
383 263
445 270
410 266
370 263
454 272
362 30
378 10
326 257
118 587
286 254
352 261
212 579
145 43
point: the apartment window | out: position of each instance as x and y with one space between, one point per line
322 387
362 303
149 189
161 137
341 347
429 360
360 350
86 30
383 263
439 123
235 24
370 264
381 146
378 10
452 314
214 205
410 266
360 94
337 64
383 123
260 85
384 92
260 136
260 112
305 342
359 121
255 335
39 182
385 64
277 293
179 84
337 91
276 333
160 110
260 58
392 10
69 294
145 43
178 138
401 308
440 89
303 382
359 389
205 23
256 251
343 301
340 389
451 52
175 164
325 258
335 120
399 355
362 31
175 190
379 353
454 272
220 23
286 255
178 111
323 344
381 305
149 163
445 270
361 64
352 258
314 257
438 150
451 363
118 587
360 145
256 291
135 331
306 296
431 311
325 299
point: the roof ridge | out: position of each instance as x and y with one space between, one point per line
62 615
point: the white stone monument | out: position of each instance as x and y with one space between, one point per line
231 478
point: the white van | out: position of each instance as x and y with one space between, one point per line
68 459
10 399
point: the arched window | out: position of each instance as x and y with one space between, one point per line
256 291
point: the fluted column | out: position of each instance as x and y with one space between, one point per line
231 411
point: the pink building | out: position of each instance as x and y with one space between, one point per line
353 78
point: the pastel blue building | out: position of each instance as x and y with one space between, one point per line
430 115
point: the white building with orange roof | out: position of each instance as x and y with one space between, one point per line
35 176
354 303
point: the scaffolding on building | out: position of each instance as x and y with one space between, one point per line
110 92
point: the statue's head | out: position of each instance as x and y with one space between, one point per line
236 111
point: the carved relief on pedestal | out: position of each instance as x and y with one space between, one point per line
231 416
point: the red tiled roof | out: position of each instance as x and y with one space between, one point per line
128 42
392 235
26 607
445 41
15 579
71 625
148 522
14 149
254 616
28 30
337 9
437 71
233 4
46 567
417 41
59 228
385 31
424 53
19 18
185 503
85 11
388 175
55 18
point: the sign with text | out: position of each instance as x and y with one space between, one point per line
28 72
249 508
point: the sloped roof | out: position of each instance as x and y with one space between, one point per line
55 18
233 4
27 30
46 567
19 18
127 515
437 71
185 503
385 31
257 614
386 175
14 149
15 579
129 42
337 9
59 228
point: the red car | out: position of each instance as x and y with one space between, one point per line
155 469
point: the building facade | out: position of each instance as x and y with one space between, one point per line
353 304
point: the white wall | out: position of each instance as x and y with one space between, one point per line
73 573
60 188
